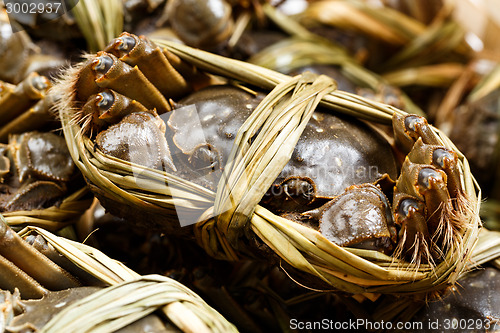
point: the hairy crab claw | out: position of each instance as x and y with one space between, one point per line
429 199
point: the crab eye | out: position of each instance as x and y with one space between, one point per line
440 156
426 174
105 100
102 64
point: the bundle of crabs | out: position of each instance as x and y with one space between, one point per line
166 135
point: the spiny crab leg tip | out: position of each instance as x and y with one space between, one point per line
124 43
427 176
41 82
102 63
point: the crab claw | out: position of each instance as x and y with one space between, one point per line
415 241
408 128
431 176
4 162
137 138
140 52
107 107
427 184
14 102
111 72
359 217
441 158
25 268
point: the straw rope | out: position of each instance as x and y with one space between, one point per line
54 217
118 306
130 297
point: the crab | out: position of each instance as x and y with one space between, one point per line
20 56
25 268
38 282
471 302
201 23
34 170
337 181
337 178
34 314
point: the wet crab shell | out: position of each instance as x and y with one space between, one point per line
34 170
332 154
201 23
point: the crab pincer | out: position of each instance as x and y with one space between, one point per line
428 197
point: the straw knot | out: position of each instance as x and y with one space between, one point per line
262 148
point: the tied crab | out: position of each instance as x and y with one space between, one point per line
34 170
338 181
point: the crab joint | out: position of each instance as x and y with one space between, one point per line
206 157
408 128
414 237
140 52
130 81
32 262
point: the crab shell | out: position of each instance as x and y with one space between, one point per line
34 168
201 23
332 154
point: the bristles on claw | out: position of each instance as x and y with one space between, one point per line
450 228
65 87
418 253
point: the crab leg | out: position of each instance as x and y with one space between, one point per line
430 174
407 129
4 162
115 74
140 52
36 117
25 95
6 88
12 277
108 107
29 260
441 158
415 240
